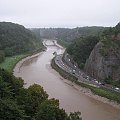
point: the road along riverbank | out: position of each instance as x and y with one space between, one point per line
80 86
37 69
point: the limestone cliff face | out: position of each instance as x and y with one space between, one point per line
101 67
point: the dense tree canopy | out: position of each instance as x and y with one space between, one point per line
16 39
18 103
51 107
81 48
2 55
111 40
75 116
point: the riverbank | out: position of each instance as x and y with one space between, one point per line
22 61
10 62
96 93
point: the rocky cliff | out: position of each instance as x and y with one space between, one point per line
101 67
104 60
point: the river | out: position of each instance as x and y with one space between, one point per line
37 69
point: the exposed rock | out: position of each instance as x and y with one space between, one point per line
116 37
101 67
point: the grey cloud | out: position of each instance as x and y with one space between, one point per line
60 13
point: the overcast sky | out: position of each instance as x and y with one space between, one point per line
60 13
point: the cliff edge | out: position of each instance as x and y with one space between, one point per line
104 60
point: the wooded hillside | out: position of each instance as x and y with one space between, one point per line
16 39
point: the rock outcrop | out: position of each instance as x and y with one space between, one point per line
102 67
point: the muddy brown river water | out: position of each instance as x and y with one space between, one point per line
37 69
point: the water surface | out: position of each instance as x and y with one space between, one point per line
38 70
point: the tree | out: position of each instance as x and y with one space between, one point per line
49 110
15 83
9 110
36 95
5 89
2 56
18 103
75 116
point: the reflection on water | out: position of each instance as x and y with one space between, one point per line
38 70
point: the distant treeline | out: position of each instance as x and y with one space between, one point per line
65 36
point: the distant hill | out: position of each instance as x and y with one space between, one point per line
65 36
16 39
36 31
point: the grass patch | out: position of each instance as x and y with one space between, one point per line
98 91
10 62
102 92
108 94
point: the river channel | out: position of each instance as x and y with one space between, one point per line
37 69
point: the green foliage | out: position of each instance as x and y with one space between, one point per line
109 39
9 110
65 36
36 95
14 83
110 81
111 31
106 93
98 91
18 103
75 116
2 56
81 49
9 89
81 65
109 45
116 29
5 89
51 107
101 92
10 62
15 39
